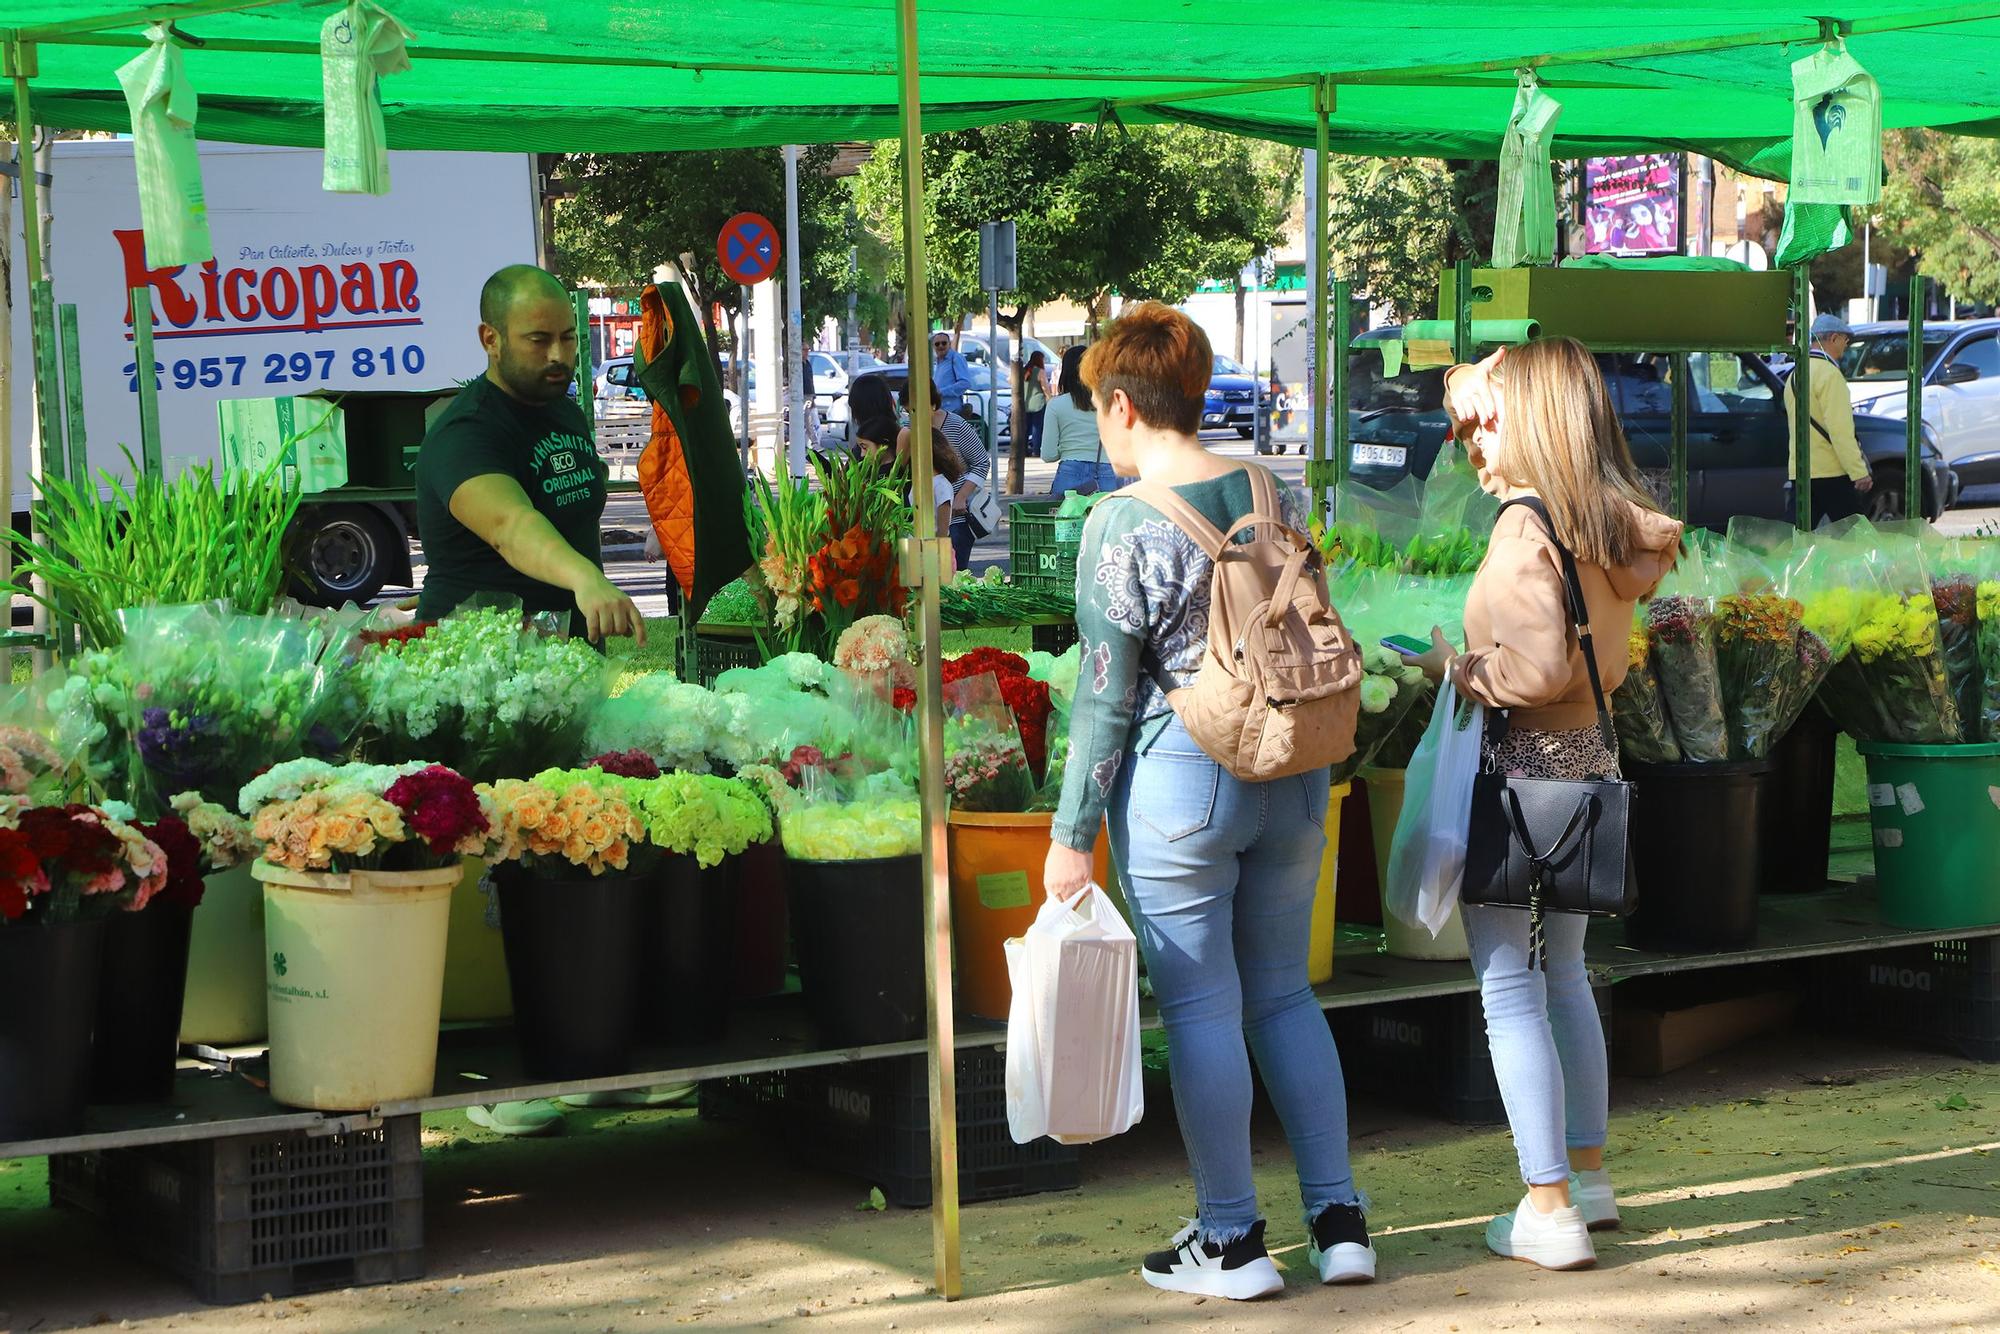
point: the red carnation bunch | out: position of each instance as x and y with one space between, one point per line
21 875
625 764
1025 696
440 806
402 635
183 850
904 699
72 842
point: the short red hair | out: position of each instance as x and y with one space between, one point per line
1160 359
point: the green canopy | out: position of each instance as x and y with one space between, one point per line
1430 79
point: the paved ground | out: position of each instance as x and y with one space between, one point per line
1797 1183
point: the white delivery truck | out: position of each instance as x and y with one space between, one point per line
365 303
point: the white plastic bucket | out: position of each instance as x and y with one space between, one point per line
224 1006
354 972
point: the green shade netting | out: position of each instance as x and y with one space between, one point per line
576 75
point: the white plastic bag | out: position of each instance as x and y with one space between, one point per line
1427 857
1073 1030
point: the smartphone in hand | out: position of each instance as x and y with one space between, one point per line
1407 645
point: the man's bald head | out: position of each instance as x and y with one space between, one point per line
528 328
513 284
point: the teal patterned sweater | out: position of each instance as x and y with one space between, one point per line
1142 623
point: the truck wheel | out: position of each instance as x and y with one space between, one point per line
344 553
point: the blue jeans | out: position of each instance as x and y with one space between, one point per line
1220 877
1546 1037
961 541
1032 428
1072 473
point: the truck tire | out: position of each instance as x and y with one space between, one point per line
344 553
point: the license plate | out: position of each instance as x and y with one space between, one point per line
1381 456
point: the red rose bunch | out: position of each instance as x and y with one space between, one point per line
21 874
1026 697
403 635
904 699
980 661
625 764
440 806
184 884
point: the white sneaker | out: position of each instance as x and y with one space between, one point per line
1240 1271
1340 1249
1558 1240
1591 1192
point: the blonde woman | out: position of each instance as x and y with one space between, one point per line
1542 424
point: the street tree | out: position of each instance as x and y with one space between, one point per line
1941 199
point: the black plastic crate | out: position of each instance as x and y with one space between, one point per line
871 1119
1431 1053
713 656
254 1214
1041 548
1054 638
1944 995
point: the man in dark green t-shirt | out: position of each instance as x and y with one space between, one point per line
510 491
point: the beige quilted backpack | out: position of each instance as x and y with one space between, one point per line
1278 690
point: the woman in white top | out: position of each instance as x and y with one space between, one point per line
951 485
1069 437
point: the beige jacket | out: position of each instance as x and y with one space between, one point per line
1520 652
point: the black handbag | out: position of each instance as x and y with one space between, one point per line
1551 844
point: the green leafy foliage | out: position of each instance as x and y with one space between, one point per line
1942 200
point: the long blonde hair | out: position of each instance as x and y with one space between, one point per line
1562 438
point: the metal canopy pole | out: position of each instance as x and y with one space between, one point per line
1679 464
1913 405
19 59
923 566
1343 319
1801 391
1322 355
149 385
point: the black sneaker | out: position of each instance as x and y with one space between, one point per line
1340 1248
1239 1271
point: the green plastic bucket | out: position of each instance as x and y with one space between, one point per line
1936 815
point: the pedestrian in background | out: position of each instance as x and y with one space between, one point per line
1071 441
872 409
1034 401
974 462
1841 480
950 372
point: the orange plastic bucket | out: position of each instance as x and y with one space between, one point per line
996 890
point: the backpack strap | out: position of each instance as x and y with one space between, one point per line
1179 512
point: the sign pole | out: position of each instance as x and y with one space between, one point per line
794 320
993 383
743 374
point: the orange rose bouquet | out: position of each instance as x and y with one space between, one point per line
587 826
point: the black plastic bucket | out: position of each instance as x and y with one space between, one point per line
1798 806
572 947
48 1002
141 983
762 932
1698 835
687 951
858 930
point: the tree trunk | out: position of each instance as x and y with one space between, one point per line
1238 285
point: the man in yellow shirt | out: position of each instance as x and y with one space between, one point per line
1840 476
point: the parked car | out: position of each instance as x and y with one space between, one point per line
830 373
839 428
1232 398
616 380
1739 439
1961 388
974 348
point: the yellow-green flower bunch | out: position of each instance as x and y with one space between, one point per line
1987 599
875 818
1892 685
697 815
1906 627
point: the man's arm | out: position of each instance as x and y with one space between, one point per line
494 506
958 376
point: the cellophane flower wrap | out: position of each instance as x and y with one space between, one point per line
1891 686
1638 711
216 696
1953 566
94 688
678 724
1680 625
834 821
1026 698
66 863
985 766
1988 595
314 816
1375 604
563 819
797 701
482 692
46 733
695 815
1771 662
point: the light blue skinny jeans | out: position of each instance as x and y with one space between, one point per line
1545 1035
1072 473
1220 875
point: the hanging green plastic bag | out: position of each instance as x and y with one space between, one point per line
357 47
1836 130
1811 230
173 211
1524 227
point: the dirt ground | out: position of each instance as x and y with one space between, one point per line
1794 1183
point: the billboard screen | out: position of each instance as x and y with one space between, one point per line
1632 204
